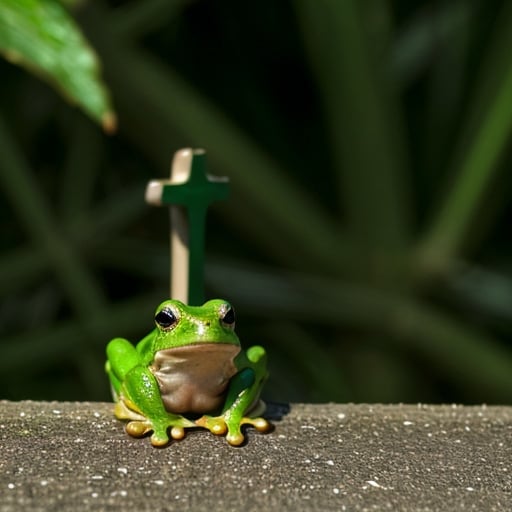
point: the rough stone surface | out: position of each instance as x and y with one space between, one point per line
76 456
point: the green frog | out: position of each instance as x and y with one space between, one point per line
189 372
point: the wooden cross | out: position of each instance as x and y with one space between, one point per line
188 193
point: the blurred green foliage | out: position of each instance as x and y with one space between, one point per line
366 243
41 36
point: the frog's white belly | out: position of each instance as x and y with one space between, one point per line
193 379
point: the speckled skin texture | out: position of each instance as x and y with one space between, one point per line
75 456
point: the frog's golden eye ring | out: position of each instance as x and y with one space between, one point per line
166 319
228 316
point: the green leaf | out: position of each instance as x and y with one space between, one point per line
484 139
41 36
364 118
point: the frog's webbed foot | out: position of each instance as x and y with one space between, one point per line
139 425
160 435
220 425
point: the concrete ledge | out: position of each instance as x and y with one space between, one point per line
76 457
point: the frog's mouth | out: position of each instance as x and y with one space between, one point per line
198 349
193 378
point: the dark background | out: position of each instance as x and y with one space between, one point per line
366 242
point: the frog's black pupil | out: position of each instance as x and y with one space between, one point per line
165 318
229 317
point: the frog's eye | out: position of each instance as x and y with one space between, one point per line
166 319
228 318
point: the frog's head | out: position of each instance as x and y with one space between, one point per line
179 325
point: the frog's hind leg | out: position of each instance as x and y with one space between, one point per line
257 409
138 425
123 412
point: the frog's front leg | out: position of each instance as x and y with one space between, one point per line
242 405
138 397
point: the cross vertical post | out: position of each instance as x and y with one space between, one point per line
188 193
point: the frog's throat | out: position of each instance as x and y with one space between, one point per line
194 378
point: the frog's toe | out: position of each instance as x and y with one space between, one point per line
138 428
177 433
159 436
216 425
235 438
158 439
219 429
260 424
